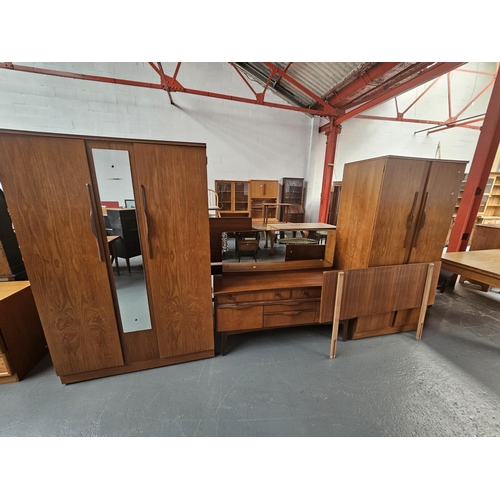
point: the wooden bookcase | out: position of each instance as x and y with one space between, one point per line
263 191
233 198
489 209
292 191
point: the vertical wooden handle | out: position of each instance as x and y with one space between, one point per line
145 207
409 221
421 221
92 221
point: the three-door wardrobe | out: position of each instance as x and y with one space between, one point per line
98 323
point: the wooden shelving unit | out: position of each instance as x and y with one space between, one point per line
489 209
292 191
233 198
263 191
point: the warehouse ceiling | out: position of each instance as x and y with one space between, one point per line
339 85
334 90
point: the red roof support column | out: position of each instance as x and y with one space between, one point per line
486 149
326 187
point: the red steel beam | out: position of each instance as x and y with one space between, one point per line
482 162
326 186
421 95
476 72
245 80
172 84
163 77
461 124
476 97
398 119
176 72
79 76
437 70
385 84
362 81
327 109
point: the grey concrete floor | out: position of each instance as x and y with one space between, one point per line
282 383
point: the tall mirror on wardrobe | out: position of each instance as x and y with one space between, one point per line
117 197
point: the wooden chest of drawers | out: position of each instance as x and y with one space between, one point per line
255 301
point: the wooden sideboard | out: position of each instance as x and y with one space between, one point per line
263 300
22 342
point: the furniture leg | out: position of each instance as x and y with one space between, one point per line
272 236
425 300
345 324
223 338
336 314
115 258
128 264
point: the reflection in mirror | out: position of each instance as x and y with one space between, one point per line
251 246
114 182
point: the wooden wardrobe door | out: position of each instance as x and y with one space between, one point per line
361 185
441 194
398 208
171 182
45 181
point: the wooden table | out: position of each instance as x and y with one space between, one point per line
274 227
484 237
276 205
480 265
112 249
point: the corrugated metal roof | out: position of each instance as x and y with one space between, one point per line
320 78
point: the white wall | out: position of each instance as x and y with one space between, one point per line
244 141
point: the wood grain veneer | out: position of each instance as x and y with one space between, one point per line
45 181
174 231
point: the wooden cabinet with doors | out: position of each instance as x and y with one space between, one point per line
50 185
395 210
233 198
263 191
292 191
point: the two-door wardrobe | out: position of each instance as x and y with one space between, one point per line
93 328
394 210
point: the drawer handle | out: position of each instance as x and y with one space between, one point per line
305 292
278 294
246 306
230 297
